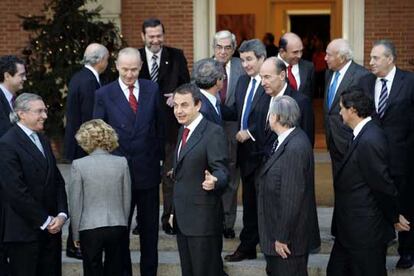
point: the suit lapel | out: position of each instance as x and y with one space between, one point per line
257 95
28 145
164 64
346 80
4 103
234 74
144 73
242 95
118 98
144 95
397 84
193 140
302 74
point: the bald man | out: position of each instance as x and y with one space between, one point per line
79 108
132 107
301 73
343 73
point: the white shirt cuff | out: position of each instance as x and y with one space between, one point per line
49 219
251 136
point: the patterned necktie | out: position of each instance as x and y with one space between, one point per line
248 106
291 78
332 89
218 109
383 98
223 91
132 100
154 69
36 140
274 147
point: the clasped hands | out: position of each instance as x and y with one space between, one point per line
56 224
402 225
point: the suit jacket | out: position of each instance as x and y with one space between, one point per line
141 135
172 73
286 197
338 135
307 78
99 177
5 110
365 197
199 212
79 109
398 120
249 153
209 111
32 186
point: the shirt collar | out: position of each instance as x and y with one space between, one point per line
345 68
281 137
360 125
149 54
26 130
124 87
95 73
194 123
390 76
210 97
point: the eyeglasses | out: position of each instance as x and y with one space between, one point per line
39 111
227 48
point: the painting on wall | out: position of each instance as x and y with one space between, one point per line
242 25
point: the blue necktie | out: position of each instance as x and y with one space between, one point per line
332 89
383 98
246 113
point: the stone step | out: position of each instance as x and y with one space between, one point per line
169 264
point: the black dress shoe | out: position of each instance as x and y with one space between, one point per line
228 233
406 261
74 253
168 229
239 256
135 231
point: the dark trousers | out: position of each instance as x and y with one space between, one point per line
200 256
249 236
38 258
4 266
148 209
405 200
357 261
94 242
292 266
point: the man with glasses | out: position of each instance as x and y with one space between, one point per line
33 193
224 45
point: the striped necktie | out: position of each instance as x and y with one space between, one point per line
383 98
154 69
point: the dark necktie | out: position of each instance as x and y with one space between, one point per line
132 100
186 131
246 113
383 98
291 78
274 147
223 91
154 69
218 108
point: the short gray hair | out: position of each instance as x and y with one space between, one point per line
129 51
22 104
389 48
206 72
286 111
255 46
94 53
225 34
344 49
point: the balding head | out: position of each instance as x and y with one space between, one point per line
128 65
291 48
338 53
96 55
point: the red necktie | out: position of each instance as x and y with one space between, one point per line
223 91
291 78
184 138
132 100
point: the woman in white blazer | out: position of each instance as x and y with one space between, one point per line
100 200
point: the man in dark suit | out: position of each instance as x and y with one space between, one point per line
208 75
273 74
200 174
166 66
301 73
365 211
131 106
286 197
250 110
34 200
79 109
343 73
393 91
269 41
81 96
12 78
225 44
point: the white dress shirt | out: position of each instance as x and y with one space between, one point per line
192 126
295 70
125 89
149 55
342 73
360 125
282 136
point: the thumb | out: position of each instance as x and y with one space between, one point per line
207 173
